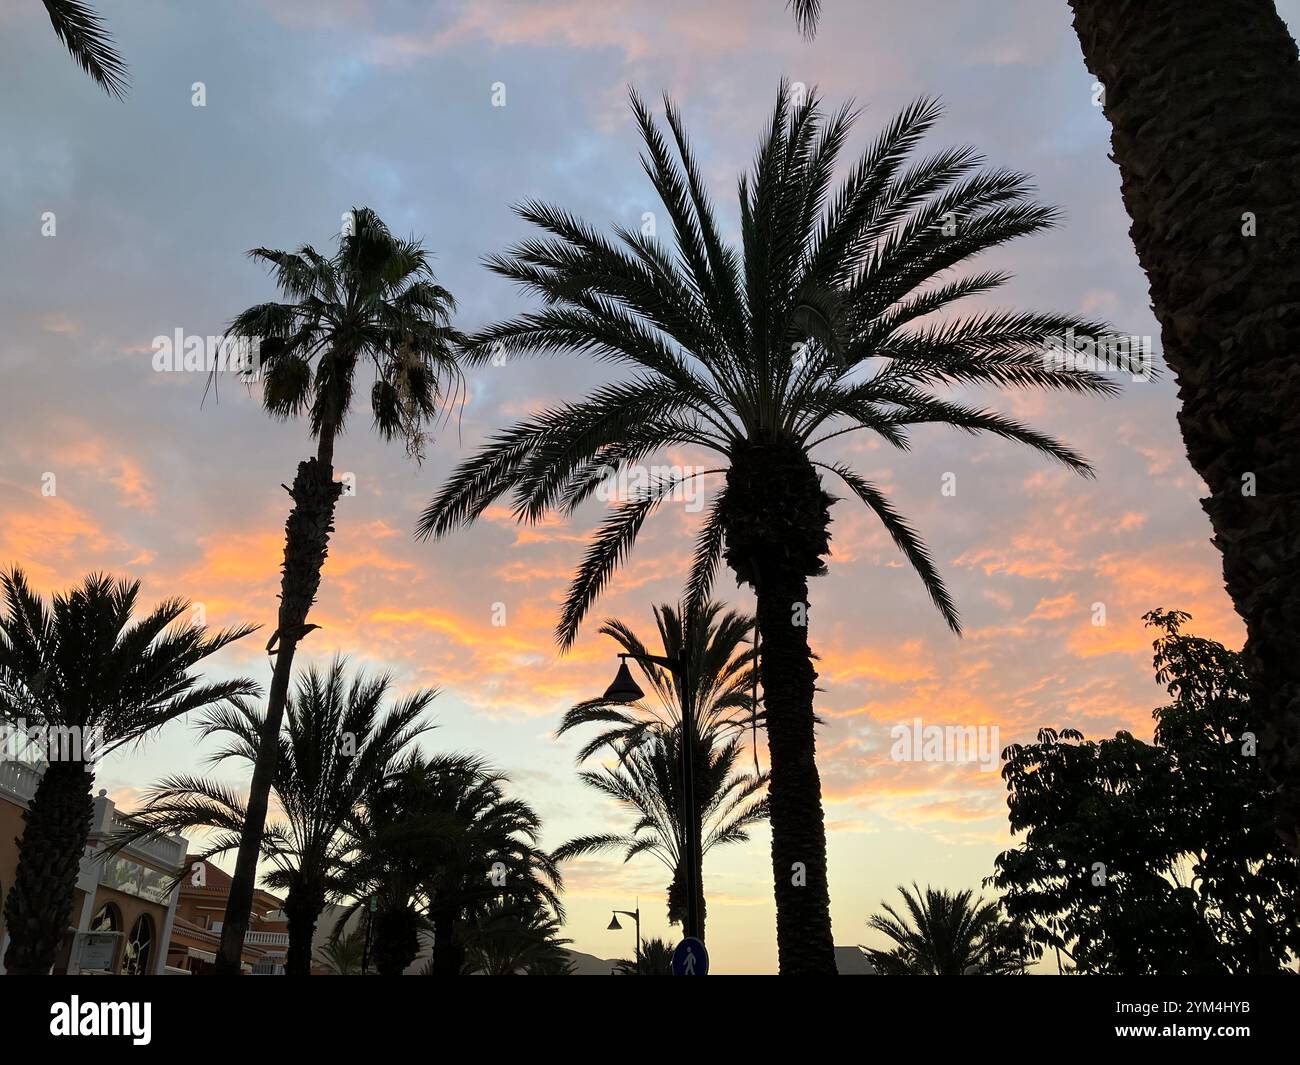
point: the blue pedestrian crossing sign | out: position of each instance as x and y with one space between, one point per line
690 958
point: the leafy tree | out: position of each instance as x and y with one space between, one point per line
337 742
948 934
1205 165
809 331
83 665
82 31
373 301
647 782
1155 858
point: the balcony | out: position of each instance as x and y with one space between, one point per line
18 781
266 939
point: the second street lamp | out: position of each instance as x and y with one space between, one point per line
626 690
614 926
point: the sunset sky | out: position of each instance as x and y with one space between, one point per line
314 106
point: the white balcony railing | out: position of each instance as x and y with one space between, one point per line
18 780
266 939
168 852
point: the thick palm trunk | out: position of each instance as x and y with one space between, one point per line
448 952
39 906
306 543
1204 105
396 942
302 907
775 517
677 900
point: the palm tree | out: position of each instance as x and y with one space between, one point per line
761 354
437 845
343 955
806 13
646 780
716 685
81 667
949 935
374 300
82 31
337 743
656 960
516 938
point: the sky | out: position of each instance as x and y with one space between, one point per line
311 107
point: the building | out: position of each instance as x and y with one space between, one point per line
124 906
196 931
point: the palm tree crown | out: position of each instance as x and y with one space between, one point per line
81 661
811 329
806 13
337 743
437 844
950 934
89 674
375 299
715 687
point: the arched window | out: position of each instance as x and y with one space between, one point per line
139 947
106 919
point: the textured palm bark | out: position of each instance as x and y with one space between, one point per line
302 907
306 544
448 951
677 900
397 941
1204 105
775 518
39 906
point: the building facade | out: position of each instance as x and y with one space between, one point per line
124 905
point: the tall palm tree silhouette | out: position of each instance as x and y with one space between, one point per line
373 301
761 355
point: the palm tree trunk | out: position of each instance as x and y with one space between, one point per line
306 543
39 906
448 952
302 907
775 516
1204 105
677 899
397 941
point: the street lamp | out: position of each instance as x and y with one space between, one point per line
614 926
626 690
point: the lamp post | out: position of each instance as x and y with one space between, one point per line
626 690
614 926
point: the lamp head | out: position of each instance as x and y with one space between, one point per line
624 689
